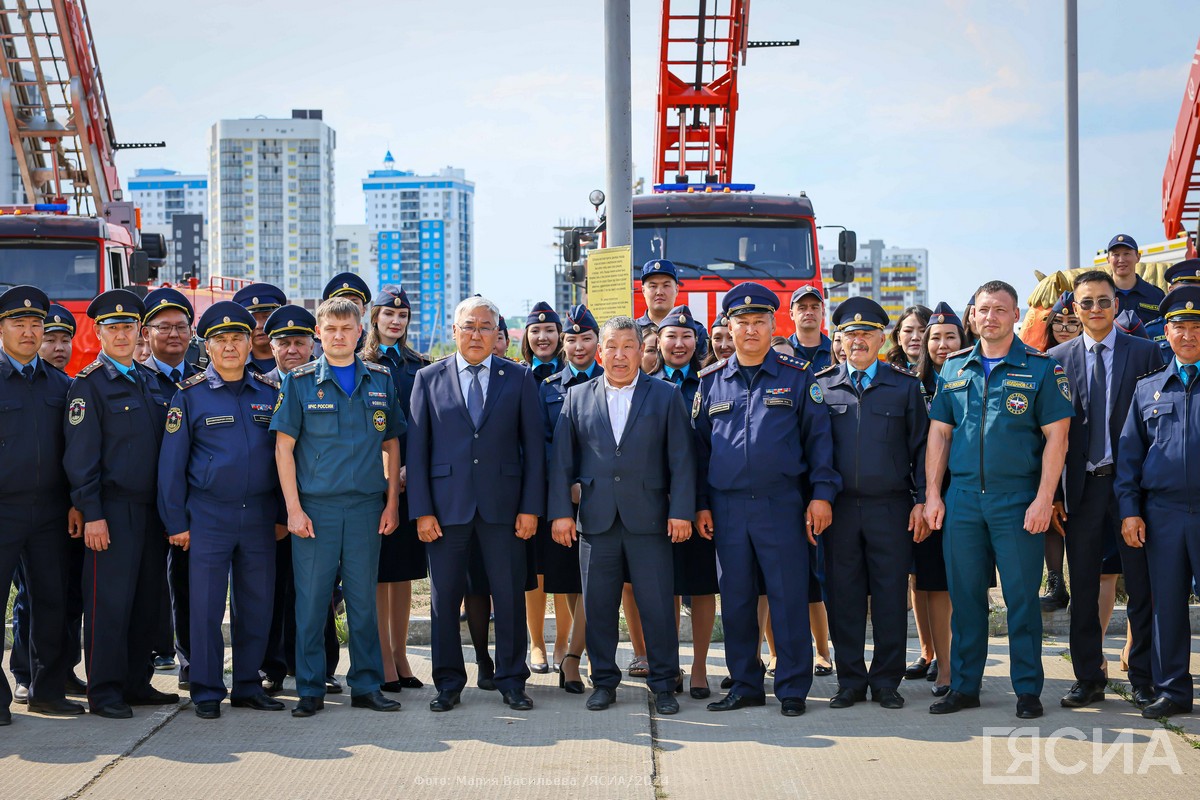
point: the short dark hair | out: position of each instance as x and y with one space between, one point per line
1095 276
998 287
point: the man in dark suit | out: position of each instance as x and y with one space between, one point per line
1102 367
477 474
628 444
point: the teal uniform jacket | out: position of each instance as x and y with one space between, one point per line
998 443
339 438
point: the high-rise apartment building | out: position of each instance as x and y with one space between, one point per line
176 206
895 277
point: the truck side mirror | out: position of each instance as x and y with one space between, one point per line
570 247
139 267
847 246
843 273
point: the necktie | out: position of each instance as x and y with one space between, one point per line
1097 406
27 372
859 377
543 371
1190 371
176 375
475 395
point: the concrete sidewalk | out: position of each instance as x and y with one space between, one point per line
560 750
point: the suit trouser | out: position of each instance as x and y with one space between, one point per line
1090 527
868 552
239 542
1173 555
280 658
122 589
347 536
35 536
504 559
753 532
19 656
982 529
1139 610
603 561
177 582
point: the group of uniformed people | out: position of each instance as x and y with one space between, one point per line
590 472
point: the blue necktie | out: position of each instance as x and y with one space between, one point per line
475 395
1097 406
1189 371
859 378
27 372
176 375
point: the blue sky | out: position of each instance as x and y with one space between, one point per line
934 123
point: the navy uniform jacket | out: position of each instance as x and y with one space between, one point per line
1157 461
339 438
114 428
998 420
879 438
31 424
456 471
163 385
776 435
1143 298
701 334
1132 358
820 357
218 447
689 386
553 391
404 371
1156 331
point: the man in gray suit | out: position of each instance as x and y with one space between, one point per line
627 442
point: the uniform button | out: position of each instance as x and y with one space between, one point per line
127 408
477 436
618 452
477 461
617 479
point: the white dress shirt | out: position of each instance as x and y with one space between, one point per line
619 401
1089 344
464 377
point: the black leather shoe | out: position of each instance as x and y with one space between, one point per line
954 701
932 674
727 682
374 701
917 670
393 687
1143 695
601 699
792 707
887 698
21 695
822 670
332 686
113 711
308 706
665 703
75 686
208 709
1083 693
1163 707
940 691
734 701
570 687
56 708
272 687
844 698
153 697
411 682
5 717
700 692
517 700
487 675
445 701
259 702
1029 706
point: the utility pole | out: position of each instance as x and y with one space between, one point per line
1072 52
618 124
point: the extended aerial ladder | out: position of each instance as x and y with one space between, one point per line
1181 179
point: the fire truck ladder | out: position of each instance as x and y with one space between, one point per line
1181 179
697 138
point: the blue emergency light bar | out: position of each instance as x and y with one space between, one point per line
703 188
52 208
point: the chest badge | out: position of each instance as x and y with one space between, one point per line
814 392
76 411
1157 395
174 419
320 394
696 401
380 420
1017 403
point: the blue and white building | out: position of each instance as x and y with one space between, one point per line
175 205
423 227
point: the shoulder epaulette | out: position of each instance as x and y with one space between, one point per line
89 369
377 367
711 368
902 370
555 378
962 352
264 379
1035 352
305 369
201 377
1154 371
832 368
793 362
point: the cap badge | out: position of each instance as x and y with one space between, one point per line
345 286
858 317
119 306
542 317
226 319
162 302
941 318
683 317
290 323
28 304
1120 238
57 318
254 300
576 328
747 298
396 301
656 266
1188 305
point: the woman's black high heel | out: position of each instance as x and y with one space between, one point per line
571 687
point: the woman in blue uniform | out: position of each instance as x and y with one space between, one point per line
401 555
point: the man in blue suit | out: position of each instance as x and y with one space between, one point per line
476 474
626 440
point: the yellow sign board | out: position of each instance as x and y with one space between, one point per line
610 283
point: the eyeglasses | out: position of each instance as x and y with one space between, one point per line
167 330
1089 304
471 330
1066 326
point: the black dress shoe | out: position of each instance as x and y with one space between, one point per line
1163 707
539 669
332 686
153 697
113 711
391 686
374 701
208 709
411 682
844 698
517 700
445 701
727 682
734 701
308 706
822 670
21 695
570 687
1083 693
932 674
5 717
1143 695
954 701
665 703
56 708
792 707
887 698
75 686
917 670
272 687
258 702
701 692
1029 706
601 699
940 691
487 675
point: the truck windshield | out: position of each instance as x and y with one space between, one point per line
63 270
737 249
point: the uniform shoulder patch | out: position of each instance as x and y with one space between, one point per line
1035 352
962 352
792 361
711 368
196 380
832 368
1154 371
305 369
377 367
902 370
264 379
814 391
555 378
89 369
